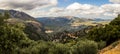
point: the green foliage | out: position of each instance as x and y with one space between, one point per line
35 47
101 44
33 33
85 47
109 33
10 36
59 49
42 47
3 17
115 43
13 40
116 21
7 15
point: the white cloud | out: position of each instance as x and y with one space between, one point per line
26 4
112 8
35 8
32 7
56 9
115 1
86 11
76 6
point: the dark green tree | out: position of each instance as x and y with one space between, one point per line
11 37
4 17
84 47
108 33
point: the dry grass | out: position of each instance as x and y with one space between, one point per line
111 49
90 23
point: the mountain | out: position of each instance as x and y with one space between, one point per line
68 23
18 14
58 24
33 27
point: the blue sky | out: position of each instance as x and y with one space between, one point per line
56 8
64 3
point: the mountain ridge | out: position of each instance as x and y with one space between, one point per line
33 27
65 22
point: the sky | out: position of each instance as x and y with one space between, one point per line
64 3
106 9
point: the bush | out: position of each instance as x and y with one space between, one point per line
84 47
35 47
101 44
59 49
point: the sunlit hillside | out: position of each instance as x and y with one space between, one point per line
90 23
112 49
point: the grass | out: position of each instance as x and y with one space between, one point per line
112 49
90 23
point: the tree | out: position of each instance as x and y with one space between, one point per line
109 33
116 21
3 17
84 47
11 37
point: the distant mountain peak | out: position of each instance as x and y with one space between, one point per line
33 27
18 14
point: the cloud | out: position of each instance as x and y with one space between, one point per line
85 11
76 6
56 9
48 8
26 4
111 8
80 10
115 1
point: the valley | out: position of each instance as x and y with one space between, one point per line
65 35
60 24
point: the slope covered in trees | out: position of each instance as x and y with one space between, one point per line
10 36
109 33
33 28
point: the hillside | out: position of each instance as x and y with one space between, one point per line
92 38
112 49
109 34
18 14
34 28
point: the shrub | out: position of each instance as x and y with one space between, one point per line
59 49
84 47
101 44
